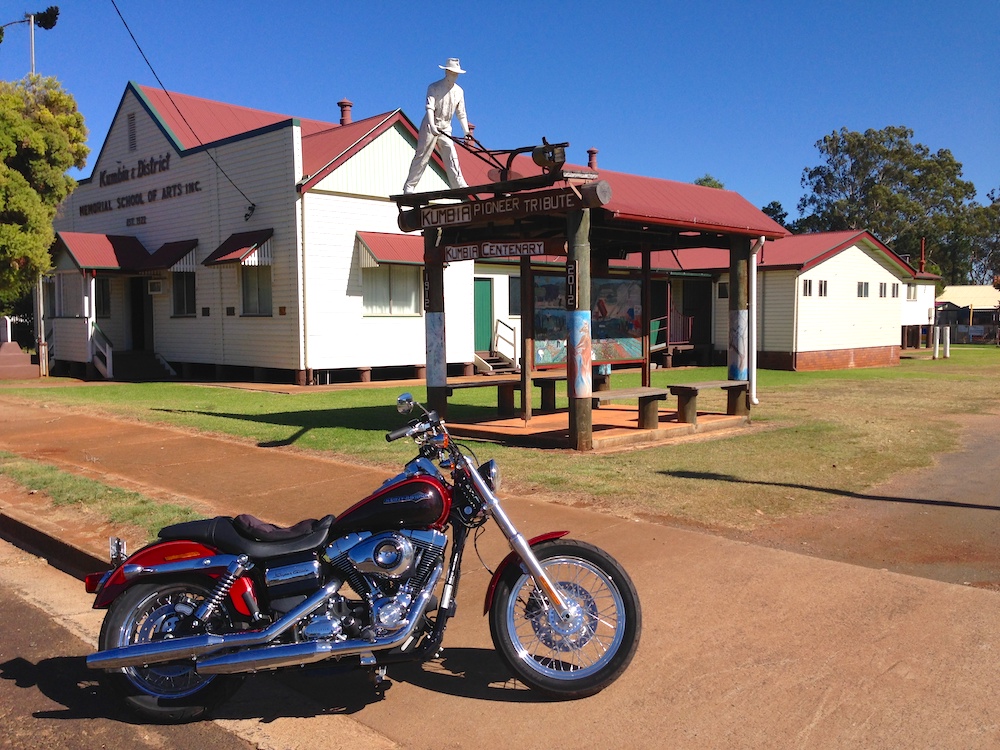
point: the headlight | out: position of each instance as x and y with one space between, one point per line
491 473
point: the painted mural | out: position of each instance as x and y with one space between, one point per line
616 320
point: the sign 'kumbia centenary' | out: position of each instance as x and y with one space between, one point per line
476 250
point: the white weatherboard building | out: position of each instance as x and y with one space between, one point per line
227 237
233 243
825 301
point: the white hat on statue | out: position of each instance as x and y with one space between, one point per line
452 65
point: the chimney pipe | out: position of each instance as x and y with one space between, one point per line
592 158
345 111
923 255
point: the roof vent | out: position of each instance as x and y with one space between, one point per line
345 111
592 158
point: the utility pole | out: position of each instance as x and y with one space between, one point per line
45 19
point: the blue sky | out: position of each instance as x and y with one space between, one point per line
738 90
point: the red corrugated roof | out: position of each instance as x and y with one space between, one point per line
238 246
799 252
326 149
657 201
394 248
104 251
326 145
205 121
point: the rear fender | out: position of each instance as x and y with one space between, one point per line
513 558
165 558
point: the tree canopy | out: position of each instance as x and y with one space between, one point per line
708 180
901 191
42 135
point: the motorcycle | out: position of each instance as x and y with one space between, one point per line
190 615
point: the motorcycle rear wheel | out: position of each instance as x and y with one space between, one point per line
170 693
578 657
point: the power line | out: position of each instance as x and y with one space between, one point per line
253 206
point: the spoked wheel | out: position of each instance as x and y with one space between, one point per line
170 692
580 655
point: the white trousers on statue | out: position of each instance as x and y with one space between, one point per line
425 148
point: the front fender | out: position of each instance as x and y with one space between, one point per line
512 558
169 553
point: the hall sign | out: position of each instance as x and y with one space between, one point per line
511 249
500 208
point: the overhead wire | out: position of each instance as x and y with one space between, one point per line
253 206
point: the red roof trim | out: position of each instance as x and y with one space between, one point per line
238 247
382 123
170 253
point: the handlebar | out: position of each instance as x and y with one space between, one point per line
399 432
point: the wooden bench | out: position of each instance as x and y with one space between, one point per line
649 411
507 385
687 398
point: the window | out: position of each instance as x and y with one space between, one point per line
723 290
183 290
514 295
882 288
807 288
911 291
256 287
895 291
862 288
102 305
391 290
822 289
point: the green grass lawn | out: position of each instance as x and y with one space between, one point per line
815 436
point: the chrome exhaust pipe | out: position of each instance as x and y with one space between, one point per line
190 647
309 652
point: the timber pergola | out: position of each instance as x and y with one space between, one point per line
590 218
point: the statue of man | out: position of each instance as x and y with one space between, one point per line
445 100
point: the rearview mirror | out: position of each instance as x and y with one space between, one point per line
404 404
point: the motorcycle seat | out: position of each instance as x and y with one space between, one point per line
251 536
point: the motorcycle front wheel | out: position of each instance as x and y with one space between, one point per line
169 693
578 656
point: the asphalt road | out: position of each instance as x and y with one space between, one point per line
49 699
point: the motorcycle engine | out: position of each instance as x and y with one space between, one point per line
388 570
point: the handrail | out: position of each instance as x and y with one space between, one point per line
497 338
678 330
103 353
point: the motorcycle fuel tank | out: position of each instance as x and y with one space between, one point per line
416 502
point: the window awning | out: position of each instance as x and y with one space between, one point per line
375 248
247 248
171 254
104 252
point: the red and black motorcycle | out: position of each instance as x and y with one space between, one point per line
215 599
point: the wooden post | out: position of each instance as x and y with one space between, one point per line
739 261
579 354
527 336
437 357
647 305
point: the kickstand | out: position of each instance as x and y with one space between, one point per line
380 682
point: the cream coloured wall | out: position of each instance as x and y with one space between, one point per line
842 319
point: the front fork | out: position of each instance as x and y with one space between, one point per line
519 544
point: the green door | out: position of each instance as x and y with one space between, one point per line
483 312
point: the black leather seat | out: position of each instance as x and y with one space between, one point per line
251 536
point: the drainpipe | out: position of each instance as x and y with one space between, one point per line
752 321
